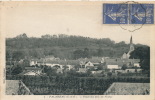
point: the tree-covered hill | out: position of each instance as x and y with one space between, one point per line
63 46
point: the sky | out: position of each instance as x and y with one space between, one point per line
84 19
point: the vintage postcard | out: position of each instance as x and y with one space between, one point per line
77 50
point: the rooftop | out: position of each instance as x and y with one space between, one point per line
12 87
32 68
118 88
16 87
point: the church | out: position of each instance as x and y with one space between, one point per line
127 55
117 63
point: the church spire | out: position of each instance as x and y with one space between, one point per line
131 40
131 45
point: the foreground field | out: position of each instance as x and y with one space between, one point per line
39 85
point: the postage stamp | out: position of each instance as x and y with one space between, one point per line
128 13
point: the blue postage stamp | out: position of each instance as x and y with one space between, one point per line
128 14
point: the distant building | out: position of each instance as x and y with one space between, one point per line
59 70
97 72
33 62
125 56
32 71
82 70
133 70
112 66
69 67
136 64
118 63
129 70
89 64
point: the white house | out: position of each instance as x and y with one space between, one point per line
97 72
49 64
112 66
59 70
133 70
82 70
129 70
89 64
70 67
31 73
124 56
33 62
136 65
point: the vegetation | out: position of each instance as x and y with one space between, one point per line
64 47
142 53
124 67
55 85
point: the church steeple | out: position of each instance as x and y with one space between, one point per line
131 45
131 40
127 55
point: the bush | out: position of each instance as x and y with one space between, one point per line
109 74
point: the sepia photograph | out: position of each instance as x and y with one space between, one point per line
66 48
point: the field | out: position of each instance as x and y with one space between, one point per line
57 85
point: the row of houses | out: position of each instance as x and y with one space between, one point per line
85 64
82 65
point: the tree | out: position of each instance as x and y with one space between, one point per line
22 36
145 64
86 53
142 53
17 55
78 54
51 71
102 66
17 70
72 73
109 74
100 52
124 67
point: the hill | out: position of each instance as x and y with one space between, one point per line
63 46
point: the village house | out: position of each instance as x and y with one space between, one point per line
59 70
33 62
133 70
129 70
82 70
112 66
32 71
91 62
118 63
88 65
69 67
136 64
97 72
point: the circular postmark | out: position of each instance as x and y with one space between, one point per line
132 14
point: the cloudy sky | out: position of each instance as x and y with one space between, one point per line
84 19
